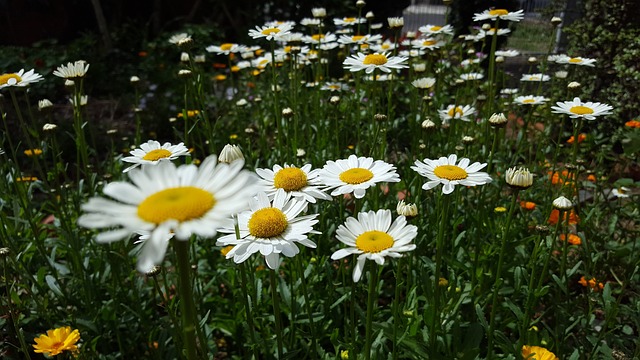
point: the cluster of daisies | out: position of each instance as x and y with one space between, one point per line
262 212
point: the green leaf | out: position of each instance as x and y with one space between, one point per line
53 285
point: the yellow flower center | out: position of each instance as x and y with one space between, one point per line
575 60
356 176
455 111
374 241
157 154
428 42
349 19
334 87
4 78
436 28
270 31
581 110
180 203
498 12
375 59
226 46
317 37
267 223
450 172
385 46
528 101
357 37
290 179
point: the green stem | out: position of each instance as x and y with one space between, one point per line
247 309
373 283
186 298
307 305
444 222
276 310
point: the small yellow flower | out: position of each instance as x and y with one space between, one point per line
56 341
233 136
33 152
500 209
443 282
225 250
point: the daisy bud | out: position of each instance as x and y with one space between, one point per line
498 120
459 148
407 210
422 146
44 105
112 132
542 229
467 140
486 27
555 21
411 35
49 127
334 100
376 26
561 74
184 57
562 203
427 124
380 117
155 270
319 12
184 73
241 102
186 43
369 15
230 153
419 67
519 179
4 252
395 22
532 60
199 59
360 3
300 153
69 84
287 113
499 59
574 85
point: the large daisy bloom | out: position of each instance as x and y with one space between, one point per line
501 14
226 48
271 228
275 32
152 153
530 100
435 29
20 79
578 109
372 236
457 112
370 62
427 44
164 199
565 59
445 171
57 341
356 174
302 183
537 353
72 71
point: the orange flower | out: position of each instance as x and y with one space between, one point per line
527 205
219 66
591 178
633 124
220 77
592 283
190 113
555 213
573 239
142 54
559 178
581 138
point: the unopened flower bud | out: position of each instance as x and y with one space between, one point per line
407 210
519 179
360 3
395 22
230 153
498 120
467 140
369 15
562 203
155 270
380 117
334 100
287 113
319 12
184 73
44 105
499 59
555 21
486 27
49 127
532 60
574 85
427 124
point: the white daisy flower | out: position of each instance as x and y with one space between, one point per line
275 32
335 86
534 77
310 22
423 83
427 44
164 199
359 39
482 33
328 46
275 23
373 236
319 38
471 76
509 91
73 70
457 112
578 109
20 79
445 171
621 192
370 62
387 45
349 21
530 100
270 228
435 29
355 175
302 183
226 48
564 59
151 153
507 53
179 38
501 14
